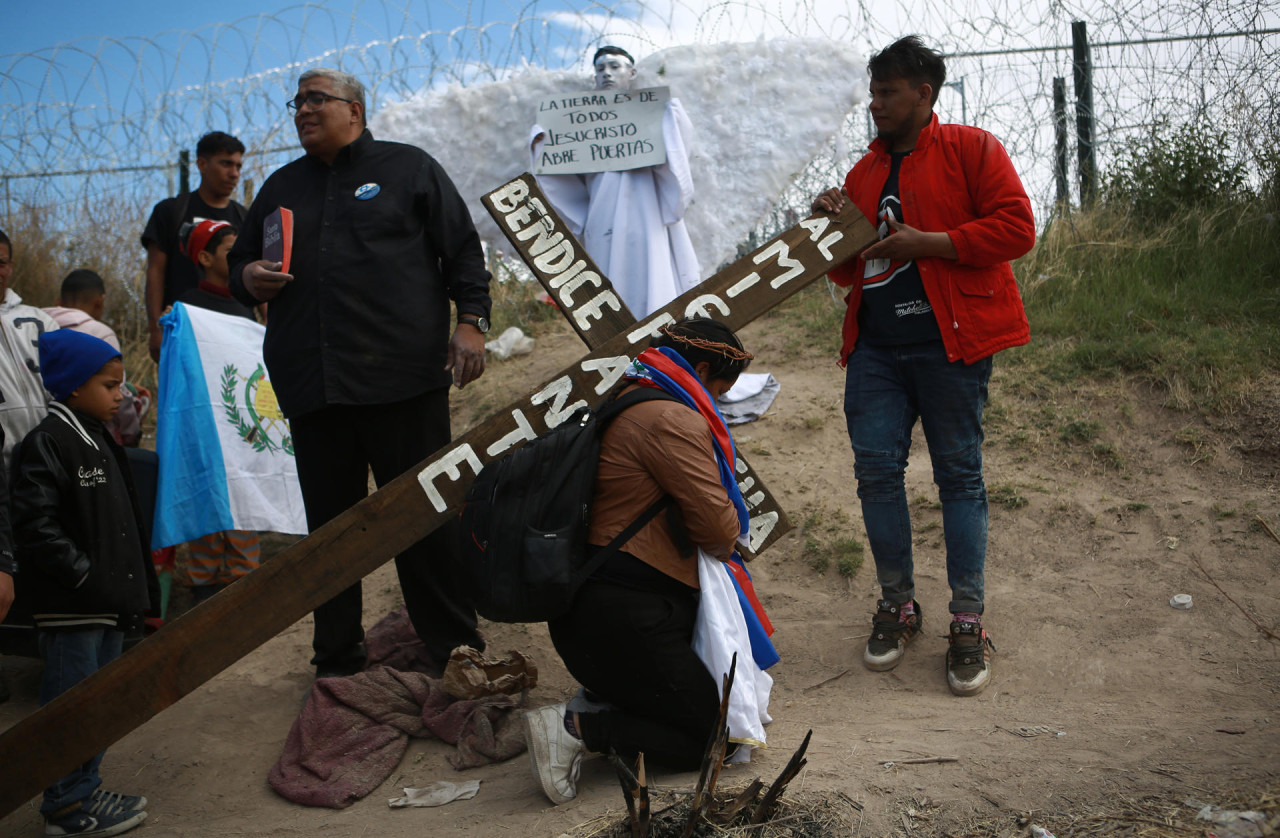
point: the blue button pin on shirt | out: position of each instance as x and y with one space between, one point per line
369 190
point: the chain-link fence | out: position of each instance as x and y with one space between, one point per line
91 131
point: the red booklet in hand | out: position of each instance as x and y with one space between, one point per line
277 238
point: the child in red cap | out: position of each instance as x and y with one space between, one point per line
207 244
219 558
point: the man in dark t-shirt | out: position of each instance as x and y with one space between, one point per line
895 310
218 158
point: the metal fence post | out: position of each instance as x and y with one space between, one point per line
1063 192
1082 69
184 175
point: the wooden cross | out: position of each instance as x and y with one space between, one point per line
195 647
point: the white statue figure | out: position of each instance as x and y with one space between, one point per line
632 222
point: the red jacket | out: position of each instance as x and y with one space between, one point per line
959 180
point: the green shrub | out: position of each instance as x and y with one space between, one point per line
1174 170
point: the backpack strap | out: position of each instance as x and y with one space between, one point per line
179 218
598 560
604 416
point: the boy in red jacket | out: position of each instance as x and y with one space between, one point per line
928 306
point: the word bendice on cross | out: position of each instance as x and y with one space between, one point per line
209 638
597 313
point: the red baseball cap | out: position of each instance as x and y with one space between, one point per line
200 235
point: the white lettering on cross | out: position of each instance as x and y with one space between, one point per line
557 257
594 308
543 228
557 392
510 196
760 528
565 292
556 281
446 466
649 329
610 370
743 284
703 303
779 248
524 432
816 227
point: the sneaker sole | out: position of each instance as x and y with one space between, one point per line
115 829
539 756
885 662
969 688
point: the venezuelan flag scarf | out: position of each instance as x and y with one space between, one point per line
667 370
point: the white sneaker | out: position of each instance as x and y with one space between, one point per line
555 754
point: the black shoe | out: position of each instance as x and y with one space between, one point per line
77 820
968 658
890 635
337 670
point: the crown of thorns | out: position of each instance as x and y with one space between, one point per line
733 353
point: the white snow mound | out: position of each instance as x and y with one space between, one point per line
761 111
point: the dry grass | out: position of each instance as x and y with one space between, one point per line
108 245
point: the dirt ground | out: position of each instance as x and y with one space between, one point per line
1105 503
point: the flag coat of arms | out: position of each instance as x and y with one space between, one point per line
225 449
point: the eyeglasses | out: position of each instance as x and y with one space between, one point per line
315 100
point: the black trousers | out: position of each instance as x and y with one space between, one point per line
335 447
633 649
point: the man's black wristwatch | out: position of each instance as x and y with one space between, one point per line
481 323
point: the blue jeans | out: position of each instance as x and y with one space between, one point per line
886 389
69 658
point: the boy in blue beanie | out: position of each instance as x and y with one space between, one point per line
83 563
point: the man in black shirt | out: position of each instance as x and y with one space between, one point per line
169 273
358 341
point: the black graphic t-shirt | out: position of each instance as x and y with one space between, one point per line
894 309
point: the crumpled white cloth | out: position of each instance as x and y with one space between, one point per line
748 399
436 794
720 632
511 342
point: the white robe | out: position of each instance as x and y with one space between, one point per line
632 222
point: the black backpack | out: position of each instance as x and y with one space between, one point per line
524 522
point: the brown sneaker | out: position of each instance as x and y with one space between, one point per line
968 658
890 635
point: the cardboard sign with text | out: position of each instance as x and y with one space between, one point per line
602 131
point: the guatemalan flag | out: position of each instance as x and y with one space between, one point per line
225 449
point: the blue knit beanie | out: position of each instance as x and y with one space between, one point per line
69 358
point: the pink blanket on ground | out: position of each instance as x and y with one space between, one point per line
353 732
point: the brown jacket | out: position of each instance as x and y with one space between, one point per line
657 448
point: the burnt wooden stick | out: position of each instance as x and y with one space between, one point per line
713 757
641 829
630 788
765 808
721 725
732 808
721 750
722 741
194 648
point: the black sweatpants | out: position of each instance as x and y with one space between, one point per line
335 447
633 649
